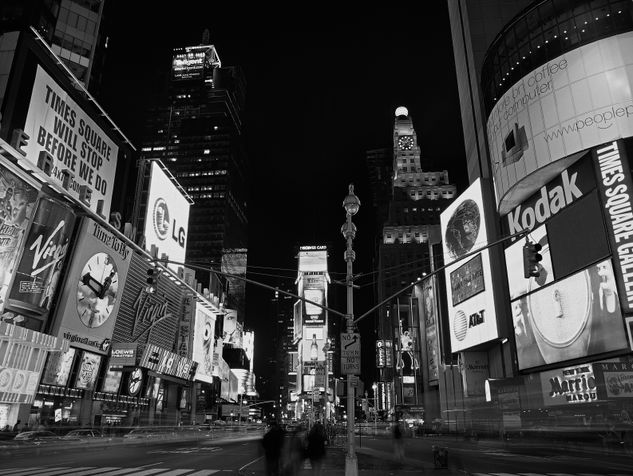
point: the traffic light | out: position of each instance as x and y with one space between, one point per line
152 279
531 259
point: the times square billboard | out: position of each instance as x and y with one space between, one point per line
470 294
313 280
167 216
573 102
574 308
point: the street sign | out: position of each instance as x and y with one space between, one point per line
350 354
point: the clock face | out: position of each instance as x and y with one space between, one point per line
561 312
97 290
405 142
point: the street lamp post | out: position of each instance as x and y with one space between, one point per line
374 387
351 203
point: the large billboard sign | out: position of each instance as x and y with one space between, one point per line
313 344
574 317
576 101
40 269
203 342
431 328
66 139
313 258
94 283
570 385
192 61
615 187
472 317
17 205
167 218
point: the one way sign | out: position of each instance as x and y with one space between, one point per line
350 354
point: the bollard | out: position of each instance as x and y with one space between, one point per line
440 456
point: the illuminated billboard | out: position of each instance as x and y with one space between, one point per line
203 342
575 317
192 62
167 217
298 321
313 343
472 316
89 304
64 137
574 102
570 385
313 258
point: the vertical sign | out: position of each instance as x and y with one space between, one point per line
350 354
40 267
615 186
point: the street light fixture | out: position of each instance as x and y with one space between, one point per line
351 203
374 387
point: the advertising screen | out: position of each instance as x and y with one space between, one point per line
167 218
17 205
313 342
232 329
58 367
570 385
429 317
88 371
575 317
576 101
312 258
112 381
298 320
517 283
63 131
40 268
316 296
203 343
614 379
473 320
191 62
92 292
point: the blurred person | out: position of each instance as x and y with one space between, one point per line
295 454
16 427
398 443
316 447
272 442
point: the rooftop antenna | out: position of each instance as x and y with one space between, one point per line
206 36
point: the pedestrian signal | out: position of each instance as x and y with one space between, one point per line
531 260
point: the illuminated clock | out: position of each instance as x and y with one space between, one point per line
134 384
97 290
405 142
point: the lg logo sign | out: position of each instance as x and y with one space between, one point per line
164 225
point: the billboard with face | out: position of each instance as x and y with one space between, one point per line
571 318
203 342
472 316
40 269
575 101
17 205
65 137
167 218
92 291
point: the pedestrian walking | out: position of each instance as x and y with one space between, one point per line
16 427
316 447
398 443
273 442
295 455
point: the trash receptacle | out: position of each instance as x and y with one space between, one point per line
440 456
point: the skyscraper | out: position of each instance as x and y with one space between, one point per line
195 128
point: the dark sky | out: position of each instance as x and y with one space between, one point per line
322 88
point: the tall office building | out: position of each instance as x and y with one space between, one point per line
71 28
474 25
404 255
195 128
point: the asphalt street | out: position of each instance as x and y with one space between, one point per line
240 454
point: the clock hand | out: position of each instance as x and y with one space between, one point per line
107 282
87 280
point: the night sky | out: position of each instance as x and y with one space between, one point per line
322 88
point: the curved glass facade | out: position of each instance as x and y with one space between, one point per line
543 31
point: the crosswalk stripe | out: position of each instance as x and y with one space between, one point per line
89 472
147 472
204 472
118 472
12 471
176 472
56 471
